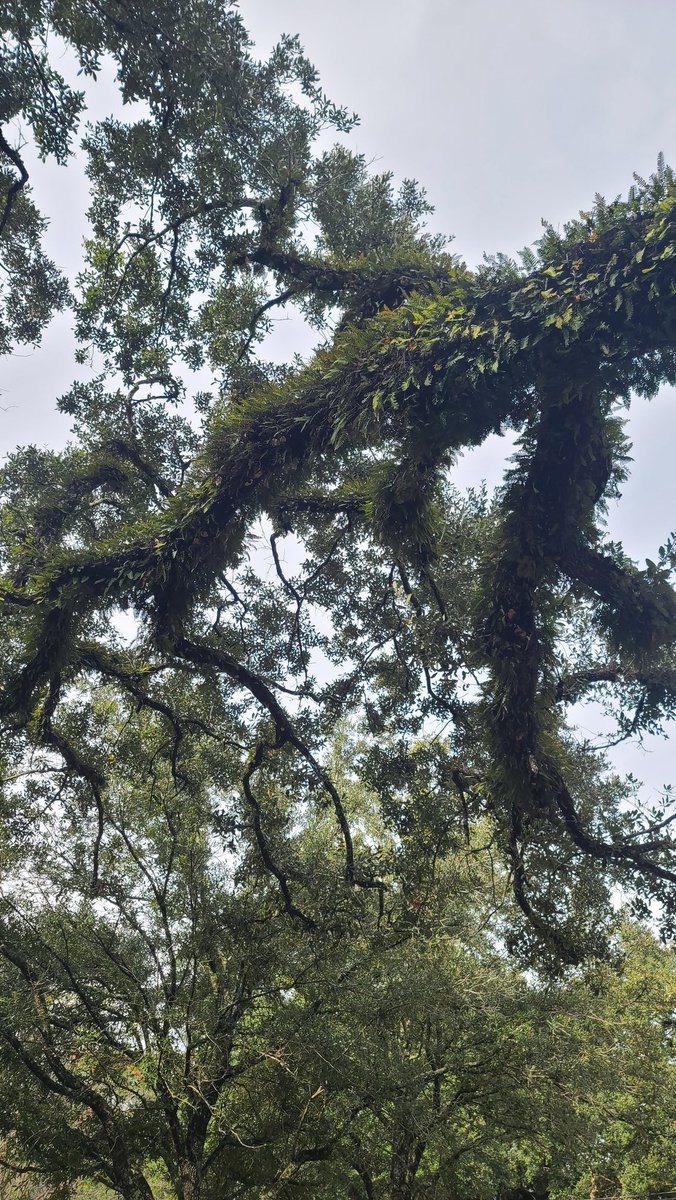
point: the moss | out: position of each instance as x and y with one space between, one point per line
433 376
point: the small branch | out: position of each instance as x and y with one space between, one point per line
18 184
254 765
547 932
288 587
173 265
213 656
569 686
282 298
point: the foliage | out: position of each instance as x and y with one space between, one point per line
171 1032
274 863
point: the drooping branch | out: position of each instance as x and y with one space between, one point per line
639 611
410 387
214 657
548 510
269 861
458 372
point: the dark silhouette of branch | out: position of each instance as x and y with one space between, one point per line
14 188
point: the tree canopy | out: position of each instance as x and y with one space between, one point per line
340 733
175 1034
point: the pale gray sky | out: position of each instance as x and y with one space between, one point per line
507 111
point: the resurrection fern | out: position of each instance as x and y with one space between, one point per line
413 612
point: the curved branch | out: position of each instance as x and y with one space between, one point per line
639 610
213 656
273 302
271 865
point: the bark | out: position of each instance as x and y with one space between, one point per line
407 1152
190 1180
132 1185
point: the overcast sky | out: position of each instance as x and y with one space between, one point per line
510 112
507 112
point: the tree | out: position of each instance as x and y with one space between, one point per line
488 619
137 1017
634 1104
175 1034
477 1083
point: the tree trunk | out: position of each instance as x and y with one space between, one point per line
128 1182
406 1156
134 1187
190 1180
